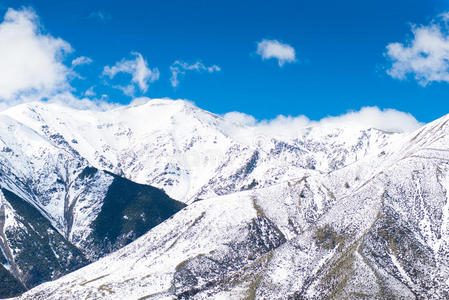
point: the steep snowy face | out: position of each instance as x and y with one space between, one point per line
374 229
164 143
38 169
190 153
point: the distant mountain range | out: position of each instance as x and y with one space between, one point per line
164 200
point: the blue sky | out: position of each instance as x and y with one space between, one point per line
340 61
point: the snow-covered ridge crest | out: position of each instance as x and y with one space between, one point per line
192 153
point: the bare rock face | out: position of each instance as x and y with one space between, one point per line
205 271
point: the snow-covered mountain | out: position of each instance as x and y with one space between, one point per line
191 153
376 228
333 211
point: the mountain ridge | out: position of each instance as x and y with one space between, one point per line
195 153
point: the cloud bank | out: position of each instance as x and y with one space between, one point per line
31 62
139 71
426 56
179 68
290 127
269 49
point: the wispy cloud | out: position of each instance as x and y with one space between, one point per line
284 53
90 92
101 16
129 90
139 71
179 68
31 62
81 60
426 56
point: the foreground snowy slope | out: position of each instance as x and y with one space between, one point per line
191 153
374 229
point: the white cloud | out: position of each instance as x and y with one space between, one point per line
138 68
30 61
84 103
290 127
101 16
179 68
81 60
426 56
139 101
284 53
240 118
66 98
373 117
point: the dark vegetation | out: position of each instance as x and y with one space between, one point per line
42 252
129 211
9 285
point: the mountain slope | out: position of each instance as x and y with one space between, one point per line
51 198
377 228
34 251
